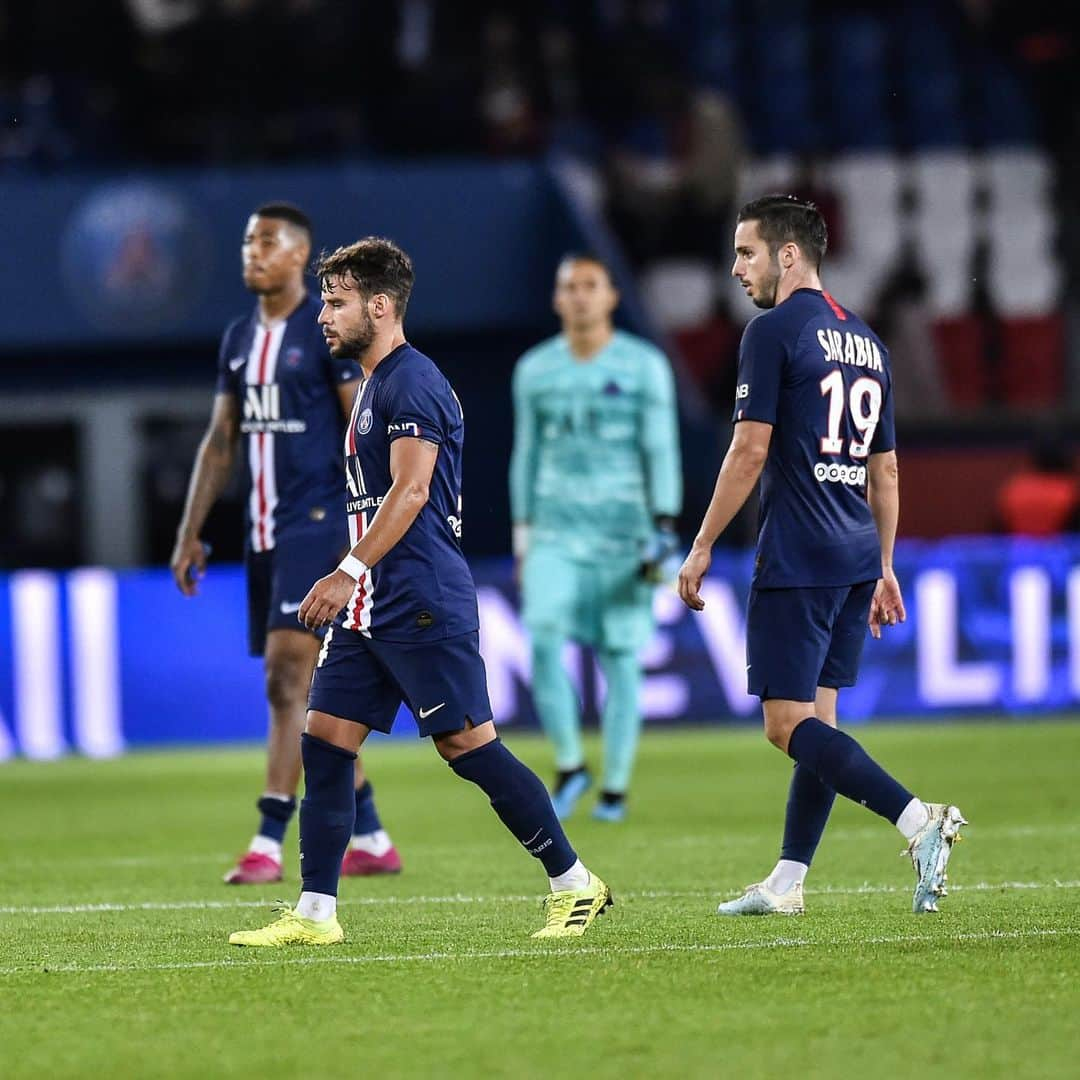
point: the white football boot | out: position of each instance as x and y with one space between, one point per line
759 899
929 850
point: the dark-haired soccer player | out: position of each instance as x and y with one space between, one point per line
280 391
814 419
403 608
595 489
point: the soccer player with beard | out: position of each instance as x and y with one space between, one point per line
281 394
814 420
404 612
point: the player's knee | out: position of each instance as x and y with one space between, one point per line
778 730
547 650
286 683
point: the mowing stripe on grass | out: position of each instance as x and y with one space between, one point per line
547 953
382 901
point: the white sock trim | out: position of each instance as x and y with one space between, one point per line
375 843
912 818
264 845
577 877
785 874
316 906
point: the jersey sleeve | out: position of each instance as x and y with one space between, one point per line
660 437
762 356
229 372
523 455
415 406
884 438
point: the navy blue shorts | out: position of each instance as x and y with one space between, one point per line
279 579
800 639
443 683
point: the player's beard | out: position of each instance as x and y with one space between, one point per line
358 341
766 297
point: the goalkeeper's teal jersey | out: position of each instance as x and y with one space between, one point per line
596 446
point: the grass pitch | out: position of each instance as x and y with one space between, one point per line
113 925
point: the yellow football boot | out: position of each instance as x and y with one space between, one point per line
290 929
571 913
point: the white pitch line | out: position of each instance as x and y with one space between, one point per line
461 898
546 953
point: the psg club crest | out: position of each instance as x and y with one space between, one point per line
294 356
135 257
365 422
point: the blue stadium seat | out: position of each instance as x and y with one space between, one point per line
859 115
786 117
933 115
1004 114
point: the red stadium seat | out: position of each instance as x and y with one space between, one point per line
1033 359
961 345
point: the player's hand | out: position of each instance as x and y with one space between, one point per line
660 555
887 606
188 563
325 599
691 576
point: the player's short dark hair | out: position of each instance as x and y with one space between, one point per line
587 257
283 211
784 219
374 265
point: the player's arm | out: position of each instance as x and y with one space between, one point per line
663 472
739 473
412 464
209 476
883 495
522 464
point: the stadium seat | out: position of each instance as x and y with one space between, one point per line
944 225
679 293
861 120
962 345
1033 360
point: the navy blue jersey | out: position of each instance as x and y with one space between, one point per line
422 588
285 384
820 376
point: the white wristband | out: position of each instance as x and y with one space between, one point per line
520 539
352 566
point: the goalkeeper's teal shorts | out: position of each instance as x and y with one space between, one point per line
604 604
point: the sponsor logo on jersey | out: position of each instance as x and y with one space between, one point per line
403 427
262 412
362 503
849 348
364 422
237 362
294 357
612 389
455 524
742 391
855 475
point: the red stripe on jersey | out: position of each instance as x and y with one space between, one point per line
837 310
261 443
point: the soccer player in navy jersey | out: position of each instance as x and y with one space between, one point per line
403 608
814 420
282 394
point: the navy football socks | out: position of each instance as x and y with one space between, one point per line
521 801
808 805
276 815
367 817
838 761
326 813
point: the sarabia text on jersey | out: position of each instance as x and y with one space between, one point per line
596 446
820 376
285 384
422 588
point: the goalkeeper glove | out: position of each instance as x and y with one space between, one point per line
660 554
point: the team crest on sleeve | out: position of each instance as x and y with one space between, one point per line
365 422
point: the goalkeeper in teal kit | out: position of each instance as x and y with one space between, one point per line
595 488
